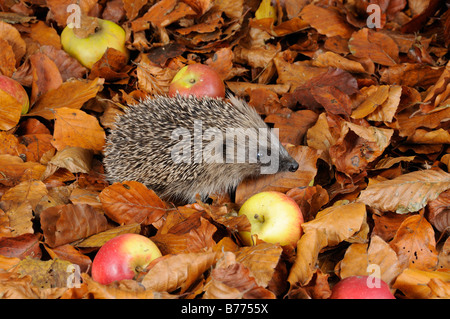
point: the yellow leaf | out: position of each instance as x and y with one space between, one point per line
266 10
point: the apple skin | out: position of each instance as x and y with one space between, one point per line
198 80
355 287
90 49
275 218
120 256
13 88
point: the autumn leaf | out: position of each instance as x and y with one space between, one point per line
415 244
75 128
64 224
177 271
63 97
406 193
132 202
329 228
9 112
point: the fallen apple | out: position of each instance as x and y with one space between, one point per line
274 218
13 88
122 257
361 287
198 80
90 49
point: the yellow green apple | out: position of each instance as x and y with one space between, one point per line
274 218
90 49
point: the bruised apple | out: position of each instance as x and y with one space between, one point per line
90 49
13 88
122 257
274 217
361 287
198 80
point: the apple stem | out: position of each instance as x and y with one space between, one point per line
259 218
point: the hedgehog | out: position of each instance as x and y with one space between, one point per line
185 145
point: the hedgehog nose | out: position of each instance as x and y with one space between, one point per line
293 167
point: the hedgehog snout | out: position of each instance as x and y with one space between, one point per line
293 167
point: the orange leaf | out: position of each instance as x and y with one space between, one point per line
326 21
72 94
132 202
77 128
415 244
379 47
10 111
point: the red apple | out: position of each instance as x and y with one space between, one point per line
122 257
198 80
13 88
275 218
360 287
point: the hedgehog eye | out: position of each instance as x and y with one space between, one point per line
259 156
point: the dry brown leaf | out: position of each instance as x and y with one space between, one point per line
21 246
59 12
9 112
330 59
372 102
411 74
195 234
359 260
124 289
413 282
64 224
407 124
7 59
297 73
231 278
415 244
326 21
27 191
97 240
155 79
226 216
72 94
386 111
45 74
407 193
330 227
178 271
12 36
357 146
379 47
78 129
45 35
14 170
69 253
132 202
439 211
261 260
68 67
420 136
292 126
74 159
